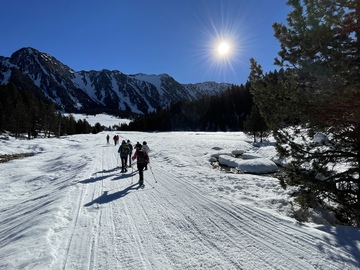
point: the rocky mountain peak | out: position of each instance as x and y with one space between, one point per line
102 90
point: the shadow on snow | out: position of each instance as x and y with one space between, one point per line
346 237
124 175
93 179
106 197
108 174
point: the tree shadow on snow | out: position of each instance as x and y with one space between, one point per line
346 237
106 197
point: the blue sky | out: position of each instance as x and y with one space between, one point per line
177 37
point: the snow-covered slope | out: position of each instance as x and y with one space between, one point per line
69 207
103 90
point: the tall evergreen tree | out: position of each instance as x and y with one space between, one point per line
256 125
319 92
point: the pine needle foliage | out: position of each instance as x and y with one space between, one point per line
317 95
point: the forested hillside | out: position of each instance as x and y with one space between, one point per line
23 112
224 112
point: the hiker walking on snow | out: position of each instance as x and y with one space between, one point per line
147 149
142 160
108 139
130 152
124 151
136 145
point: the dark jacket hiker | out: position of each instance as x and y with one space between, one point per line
124 151
131 150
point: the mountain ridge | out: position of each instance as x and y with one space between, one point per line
104 90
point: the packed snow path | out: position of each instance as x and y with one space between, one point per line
103 221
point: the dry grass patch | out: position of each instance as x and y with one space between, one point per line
6 158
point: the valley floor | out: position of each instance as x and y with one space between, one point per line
69 207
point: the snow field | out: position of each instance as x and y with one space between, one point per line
69 207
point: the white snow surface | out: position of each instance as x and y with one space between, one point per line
254 165
69 207
103 119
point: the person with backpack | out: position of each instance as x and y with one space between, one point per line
130 153
124 151
136 145
142 160
147 149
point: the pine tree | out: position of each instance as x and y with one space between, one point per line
256 125
319 92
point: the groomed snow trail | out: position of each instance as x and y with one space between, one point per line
69 207
174 224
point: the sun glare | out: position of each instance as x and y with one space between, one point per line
223 42
223 49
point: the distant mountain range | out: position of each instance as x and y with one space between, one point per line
101 91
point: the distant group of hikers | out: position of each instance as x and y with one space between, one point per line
141 155
115 138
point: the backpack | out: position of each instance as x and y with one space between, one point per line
125 149
141 156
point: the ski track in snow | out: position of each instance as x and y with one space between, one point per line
106 222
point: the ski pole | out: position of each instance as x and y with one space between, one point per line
132 174
152 173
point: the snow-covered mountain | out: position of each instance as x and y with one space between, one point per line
105 89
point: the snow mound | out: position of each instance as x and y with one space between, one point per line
241 149
251 156
216 155
257 165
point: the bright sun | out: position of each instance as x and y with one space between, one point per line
223 49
